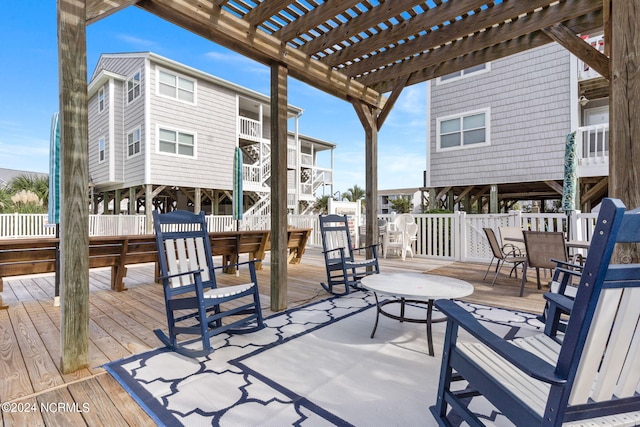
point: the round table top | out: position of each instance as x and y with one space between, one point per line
417 286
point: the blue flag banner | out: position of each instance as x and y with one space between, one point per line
54 171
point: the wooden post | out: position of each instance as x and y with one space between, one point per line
197 200
148 207
74 220
493 199
624 145
279 74
368 118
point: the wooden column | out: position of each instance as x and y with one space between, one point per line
148 207
279 74
117 200
624 104
133 206
624 154
74 218
493 199
197 200
368 117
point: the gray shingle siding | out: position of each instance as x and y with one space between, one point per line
529 119
212 120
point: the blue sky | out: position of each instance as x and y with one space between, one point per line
29 92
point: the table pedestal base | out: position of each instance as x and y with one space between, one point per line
403 318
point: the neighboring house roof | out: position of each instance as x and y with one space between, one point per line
319 143
100 75
6 175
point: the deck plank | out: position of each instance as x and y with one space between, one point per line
99 407
58 408
29 414
13 369
42 369
133 414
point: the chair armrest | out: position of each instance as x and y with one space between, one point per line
567 265
562 302
528 363
237 264
333 250
513 250
184 273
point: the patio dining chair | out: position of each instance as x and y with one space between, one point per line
507 253
343 269
589 377
543 250
513 236
402 234
193 300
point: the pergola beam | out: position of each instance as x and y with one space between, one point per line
491 37
99 9
217 25
580 48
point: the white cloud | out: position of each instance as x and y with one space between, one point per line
138 43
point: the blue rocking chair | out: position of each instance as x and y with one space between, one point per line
589 376
192 298
342 267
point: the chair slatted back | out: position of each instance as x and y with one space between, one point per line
611 363
185 240
604 328
336 234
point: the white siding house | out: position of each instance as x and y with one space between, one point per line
497 132
163 135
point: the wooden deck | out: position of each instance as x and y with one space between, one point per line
33 391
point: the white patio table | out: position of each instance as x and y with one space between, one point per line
416 288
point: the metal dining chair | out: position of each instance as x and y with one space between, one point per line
505 253
543 250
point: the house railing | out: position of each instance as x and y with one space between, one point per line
249 129
592 143
456 236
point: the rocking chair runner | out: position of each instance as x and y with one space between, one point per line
342 267
591 374
192 298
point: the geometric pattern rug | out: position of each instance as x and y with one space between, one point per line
314 365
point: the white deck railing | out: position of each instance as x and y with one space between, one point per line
456 236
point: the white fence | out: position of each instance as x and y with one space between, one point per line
456 236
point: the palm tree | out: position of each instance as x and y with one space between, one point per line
321 204
354 194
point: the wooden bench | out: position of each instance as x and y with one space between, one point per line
38 255
296 243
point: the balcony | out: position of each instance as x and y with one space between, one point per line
593 150
249 129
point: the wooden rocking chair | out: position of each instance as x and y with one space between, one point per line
342 268
192 299
592 373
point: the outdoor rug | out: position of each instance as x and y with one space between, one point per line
311 366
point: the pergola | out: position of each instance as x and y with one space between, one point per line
357 50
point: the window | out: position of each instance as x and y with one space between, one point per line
464 73
174 142
101 99
133 142
467 130
174 86
133 87
101 150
